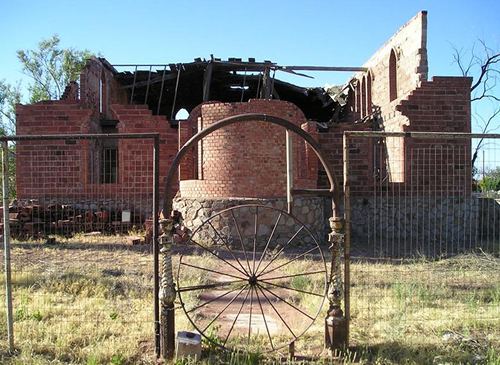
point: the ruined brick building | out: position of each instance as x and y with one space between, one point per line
390 92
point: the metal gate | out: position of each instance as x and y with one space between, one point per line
250 273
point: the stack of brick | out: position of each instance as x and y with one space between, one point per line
34 220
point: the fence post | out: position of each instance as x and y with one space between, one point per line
6 243
289 171
337 321
167 291
156 183
347 236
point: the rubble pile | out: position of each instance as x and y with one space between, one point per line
34 220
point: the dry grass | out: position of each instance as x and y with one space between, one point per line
92 304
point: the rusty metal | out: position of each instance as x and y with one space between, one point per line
266 285
133 86
147 87
291 350
254 287
167 291
161 90
52 137
255 66
314 192
422 135
347 237
243 86
155 208
289 171
156 252
424 205
323 68
6 243
336 321
179 67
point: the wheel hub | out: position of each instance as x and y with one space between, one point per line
252 280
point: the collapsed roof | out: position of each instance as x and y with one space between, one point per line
170 88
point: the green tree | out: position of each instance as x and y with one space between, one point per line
51 68
9 96
490 181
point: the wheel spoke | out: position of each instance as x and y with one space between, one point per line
264 317
241 240
287 302
278 313
294 275
255 238
250 317
213 300
292 289
236 318
220 258
268 241
207 286
222 311
228 248
282 249
214 271
289 262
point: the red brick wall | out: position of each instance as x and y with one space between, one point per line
139 119
59 169
248 159
409 164
188 128
361 156
93 73
43 165
440 105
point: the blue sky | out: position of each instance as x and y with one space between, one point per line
332 33
335 33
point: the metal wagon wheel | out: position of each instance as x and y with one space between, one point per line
249 286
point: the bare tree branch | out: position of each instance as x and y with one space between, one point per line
486 129
484 66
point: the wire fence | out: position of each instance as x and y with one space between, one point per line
83 273
425 242
425 238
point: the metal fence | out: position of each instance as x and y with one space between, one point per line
82 215
422 243
424 238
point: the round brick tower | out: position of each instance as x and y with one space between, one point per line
246 163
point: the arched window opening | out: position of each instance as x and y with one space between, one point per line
351 99
369 94
102 93
182 114
393 77
363 97
357 91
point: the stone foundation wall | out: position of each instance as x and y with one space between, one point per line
309 211
429 226
381 227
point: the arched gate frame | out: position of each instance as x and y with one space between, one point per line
336 322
